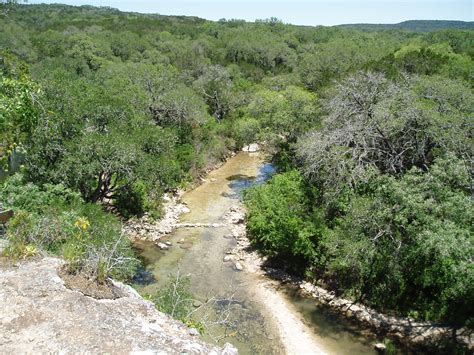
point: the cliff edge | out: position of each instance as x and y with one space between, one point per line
38 313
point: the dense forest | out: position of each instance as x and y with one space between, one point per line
371 131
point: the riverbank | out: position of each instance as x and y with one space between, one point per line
409 332
296 337
200 246
146 228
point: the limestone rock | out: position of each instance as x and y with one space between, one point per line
163 246
251 148
38 314
193 332
380 347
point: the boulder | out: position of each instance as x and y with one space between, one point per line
163 246
380 347
39 314
251 148
238 266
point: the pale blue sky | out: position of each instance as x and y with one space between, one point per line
303 12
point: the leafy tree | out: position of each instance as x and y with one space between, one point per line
18 111
412 241
375 125
278 224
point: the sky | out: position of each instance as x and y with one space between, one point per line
301 12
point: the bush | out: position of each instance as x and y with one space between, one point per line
176 299
246 130
18 194
133 200
53 219
279 224
97 246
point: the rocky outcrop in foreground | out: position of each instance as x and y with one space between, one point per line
38 314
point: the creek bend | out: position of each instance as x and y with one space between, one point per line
255 316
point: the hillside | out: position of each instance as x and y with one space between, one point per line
415 25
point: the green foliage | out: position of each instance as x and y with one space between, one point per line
17 109
54 219
133 200
126 106
411 240
18 194
278 223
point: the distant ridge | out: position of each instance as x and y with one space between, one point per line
415 25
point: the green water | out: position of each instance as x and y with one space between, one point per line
237 315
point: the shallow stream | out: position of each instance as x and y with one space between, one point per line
239 313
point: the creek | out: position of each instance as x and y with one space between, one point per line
247 311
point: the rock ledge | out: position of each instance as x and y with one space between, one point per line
39 314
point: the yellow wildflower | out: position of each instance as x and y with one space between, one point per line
82 223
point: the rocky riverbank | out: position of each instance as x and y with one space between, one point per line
39 314
145 228
407 331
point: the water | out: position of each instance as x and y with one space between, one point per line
236 313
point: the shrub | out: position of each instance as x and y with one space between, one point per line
97 247
133 200
16 193
409 245
279 224
53 219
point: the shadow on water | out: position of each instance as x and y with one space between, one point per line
143 277
326 322
239 182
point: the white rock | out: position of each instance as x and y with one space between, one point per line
238 266
163 246
228 258
380 347
253 147
193 332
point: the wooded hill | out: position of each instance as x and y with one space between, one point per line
371 132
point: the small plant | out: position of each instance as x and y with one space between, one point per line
209 317
22 236
175 298
390 347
